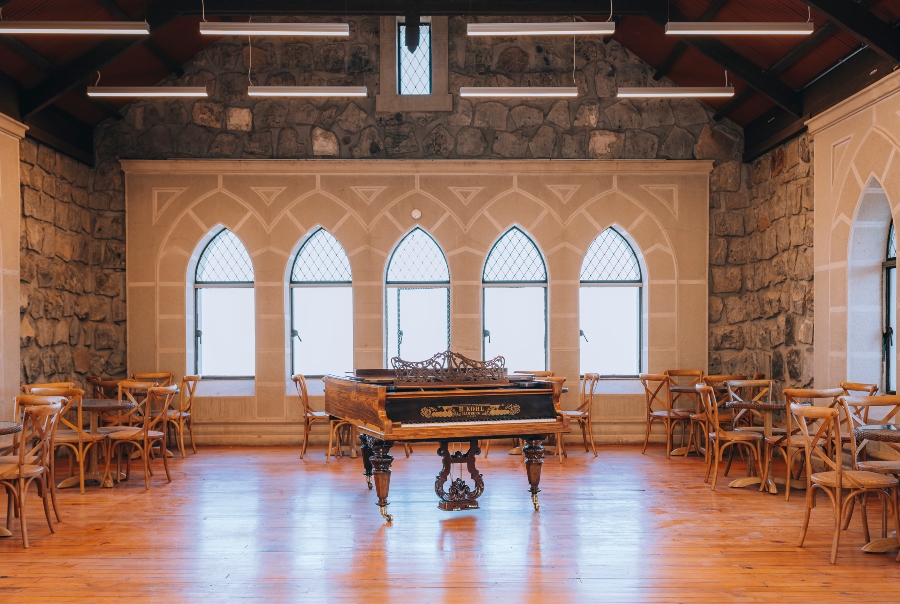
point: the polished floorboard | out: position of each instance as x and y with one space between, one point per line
261 524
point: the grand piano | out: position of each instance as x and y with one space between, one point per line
446 399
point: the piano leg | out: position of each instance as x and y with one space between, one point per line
367 458
534 458
381 467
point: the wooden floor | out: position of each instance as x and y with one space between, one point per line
261 524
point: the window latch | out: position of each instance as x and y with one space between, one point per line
294 334
487 334
581 333
199 334
399 337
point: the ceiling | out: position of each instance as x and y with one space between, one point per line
779 81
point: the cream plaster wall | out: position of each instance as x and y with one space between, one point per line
856 154
11 132
271 205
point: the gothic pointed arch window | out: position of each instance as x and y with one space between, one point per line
610 307
225 331
321 307
889 337
417 302
514 284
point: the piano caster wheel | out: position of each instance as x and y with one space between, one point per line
369 481
534 500
387 517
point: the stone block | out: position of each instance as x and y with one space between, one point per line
544 144
297 55
360 61
690 112
400 140
728 224
510 144
225 145
325 143
109 227
559 114
524 116
239 118
155 143
604 144
108 284
462 112
439 143
716 143
726 176
470 142
258 144
208 113
715 308
194 141
331 58
623 115
726 279
640 145
369 145
588 114
513 60
353 119
605 79
491 115
718 249
288 144
573 146
270 113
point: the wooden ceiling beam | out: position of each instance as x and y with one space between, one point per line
861 23
679 49
157 50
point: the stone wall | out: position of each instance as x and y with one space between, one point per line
72 257
761 256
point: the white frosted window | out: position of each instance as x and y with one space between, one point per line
414 67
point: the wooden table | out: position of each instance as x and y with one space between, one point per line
884 435
8 428
692 392
766 409
94 407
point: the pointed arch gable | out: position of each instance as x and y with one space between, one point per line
224 259
513 256
321 259
611 259
417 258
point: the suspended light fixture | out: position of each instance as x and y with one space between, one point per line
518 91
275 29
542 29
104 28
689 28
308 91
147 91
676 92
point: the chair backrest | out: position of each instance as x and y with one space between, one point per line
656 392
685 377
760 391
103 388
711 408
824 444
27 388
188 388
821 398
720 387
35 446
588 385
136 392
300 384
857 408
858 389
160 378
156 409
72 404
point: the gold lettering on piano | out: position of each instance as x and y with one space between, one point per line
468 411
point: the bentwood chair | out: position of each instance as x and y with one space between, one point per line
854 389
684 395
103 388
584 413
720 440
183 416
161 378
791 444
309 416
31 459
27 388
151 430
658 405
750 391
841 485
726 417
136 392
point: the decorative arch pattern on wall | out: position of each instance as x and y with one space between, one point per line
417 259
515 258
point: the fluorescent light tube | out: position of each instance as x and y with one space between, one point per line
146 91
275 29
105 28
712 28
518 91
308 91
676 92
541 29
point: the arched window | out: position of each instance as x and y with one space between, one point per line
225 320
610 307
890 312
515 303
321 307
417 304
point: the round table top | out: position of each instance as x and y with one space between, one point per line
877 433
9 428
755 405
106 404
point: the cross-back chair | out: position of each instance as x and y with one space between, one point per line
821 431
584 413
136 392
721 440
150 431
103 388
160 378
756 391
699 420
183 416
31 459
658 406
854 418
27 388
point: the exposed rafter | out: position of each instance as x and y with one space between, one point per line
850 16
679 49
157 50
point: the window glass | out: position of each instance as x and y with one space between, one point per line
414 67
321 307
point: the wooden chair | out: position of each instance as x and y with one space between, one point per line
686 379
161 378
136 392
27 388
825 447
183 416
791 443
858 389
657 394
720 440
309 416
150 431
32 459
757 391
854 389
584 413
103 388
517 444
698 420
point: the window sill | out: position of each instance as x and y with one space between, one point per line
222 388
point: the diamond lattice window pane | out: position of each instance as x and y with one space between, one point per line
321 259
610 258
892 243
225 260
515 257
414 68
418 259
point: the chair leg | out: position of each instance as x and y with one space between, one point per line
47 513
590 431
51 484
330 438
191 432
305 437
181 438
719 452
810 497
863 500
647 435
836 539
22 523
687 449
848 514
162 447
670 427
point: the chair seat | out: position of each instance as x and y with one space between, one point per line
881 467
136 432
737 435
175 413
760 430
71 436
574 414
11 470
870 480
674 414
